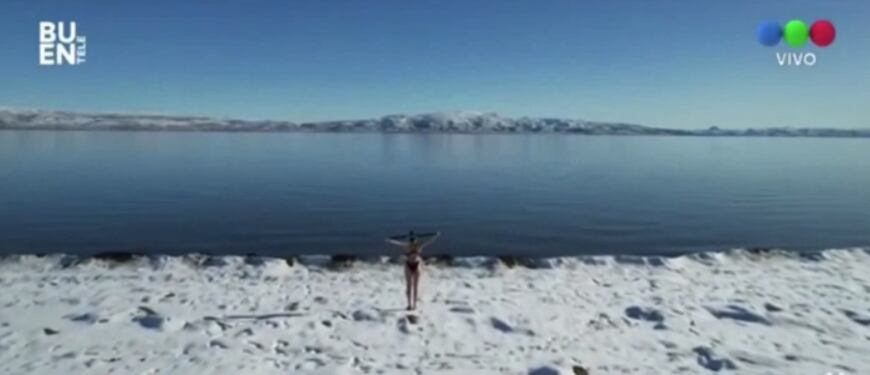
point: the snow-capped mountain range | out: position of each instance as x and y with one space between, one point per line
442 122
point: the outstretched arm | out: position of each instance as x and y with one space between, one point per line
397 242
430 239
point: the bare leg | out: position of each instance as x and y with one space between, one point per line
416 280
409 278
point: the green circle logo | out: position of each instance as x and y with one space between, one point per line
796 33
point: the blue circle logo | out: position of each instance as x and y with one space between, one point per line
769 33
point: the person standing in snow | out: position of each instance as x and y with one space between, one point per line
413 245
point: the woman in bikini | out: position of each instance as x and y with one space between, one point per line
413 245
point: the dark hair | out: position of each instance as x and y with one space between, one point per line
411 237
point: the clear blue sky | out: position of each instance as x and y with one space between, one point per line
683 64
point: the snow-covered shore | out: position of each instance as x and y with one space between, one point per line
734 312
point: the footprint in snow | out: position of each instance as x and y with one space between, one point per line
462 310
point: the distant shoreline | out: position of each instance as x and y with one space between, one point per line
433 123
374 132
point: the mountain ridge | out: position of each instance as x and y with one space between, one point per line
436 122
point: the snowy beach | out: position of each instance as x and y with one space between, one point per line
736 312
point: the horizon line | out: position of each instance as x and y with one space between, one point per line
361 118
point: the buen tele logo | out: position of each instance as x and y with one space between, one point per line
60 44
796 33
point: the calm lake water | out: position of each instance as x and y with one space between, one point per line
84 192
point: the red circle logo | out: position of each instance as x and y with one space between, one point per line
823 33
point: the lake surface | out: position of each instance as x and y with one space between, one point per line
84 192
